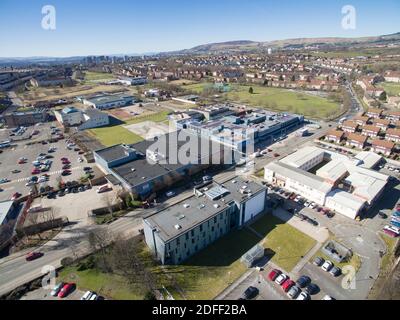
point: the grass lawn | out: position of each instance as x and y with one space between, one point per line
280 100
156 117
287 243
210 271
392 89
109 285
110 136
96 76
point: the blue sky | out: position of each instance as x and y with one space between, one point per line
89 27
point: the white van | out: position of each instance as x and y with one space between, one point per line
87 295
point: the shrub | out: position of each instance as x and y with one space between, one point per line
66 262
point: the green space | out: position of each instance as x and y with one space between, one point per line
276 99
286 244
97 76
210 271
219 265
155 117
116 133
112 135
391 88
111 286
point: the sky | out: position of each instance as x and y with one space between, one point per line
97 27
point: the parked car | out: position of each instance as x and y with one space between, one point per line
66 290
87 295
15 171
382 215
312 289
170 194
33 256
56 290
287 285
318 261
274 274
4 180
327 266
303 296
15 196
327 297
303 281
293 292
335 271
250 293
281 279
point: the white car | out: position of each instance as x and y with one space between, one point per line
80 160
30 183
93 297
57 289
313 205
281 279
170 194
327 297
327 266
87 295
303 296
307 204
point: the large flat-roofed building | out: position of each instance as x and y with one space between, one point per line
331 180
83 119
182 230
110 101
238 132
143 168
25 118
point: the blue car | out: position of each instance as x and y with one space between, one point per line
395 223
396 213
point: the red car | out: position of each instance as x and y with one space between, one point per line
64 159
390 233
33 256
287 285
35 171
274 274
66 162
66 290
276 155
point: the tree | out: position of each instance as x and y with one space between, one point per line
251 90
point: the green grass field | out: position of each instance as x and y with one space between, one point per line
219 265
391 88
117 134
96 76
109 285
280 100
288 244
109 136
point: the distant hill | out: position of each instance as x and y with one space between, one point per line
243 45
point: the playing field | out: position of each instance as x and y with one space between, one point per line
109 136
280 100
97 76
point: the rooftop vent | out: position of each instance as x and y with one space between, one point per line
234 181
216 206
133 169
201 206
186 205
177 227
181 216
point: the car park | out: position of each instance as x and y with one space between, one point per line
327 266
293 292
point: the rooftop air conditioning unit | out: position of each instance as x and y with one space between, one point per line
216 206
177 227
186 205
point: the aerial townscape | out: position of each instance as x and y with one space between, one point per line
236 170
